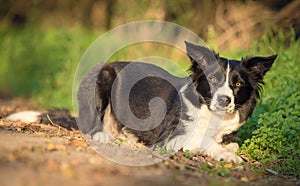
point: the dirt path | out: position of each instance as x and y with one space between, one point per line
35 160
38 159
40 154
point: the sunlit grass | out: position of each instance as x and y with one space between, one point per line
40 64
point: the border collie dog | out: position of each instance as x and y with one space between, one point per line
140 102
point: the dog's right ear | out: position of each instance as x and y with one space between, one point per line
200 55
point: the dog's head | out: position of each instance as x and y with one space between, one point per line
223 84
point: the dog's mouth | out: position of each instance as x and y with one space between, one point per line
222 110
215 107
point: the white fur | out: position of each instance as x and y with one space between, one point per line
205 131
210 129
24 116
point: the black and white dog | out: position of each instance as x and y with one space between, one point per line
141 102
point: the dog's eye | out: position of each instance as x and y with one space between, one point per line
238 84
213 79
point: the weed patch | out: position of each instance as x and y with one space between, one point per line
271 136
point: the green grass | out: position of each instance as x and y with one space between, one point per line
272 134
187 154
221 171
40 64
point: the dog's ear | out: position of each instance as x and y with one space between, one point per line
259 65
200 55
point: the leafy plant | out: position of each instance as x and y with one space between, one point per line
272 134
187 154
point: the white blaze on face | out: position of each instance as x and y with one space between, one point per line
224 90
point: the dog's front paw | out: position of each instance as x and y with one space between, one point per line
228 157
101 137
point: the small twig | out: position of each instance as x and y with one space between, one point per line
58 131
50 120
272 172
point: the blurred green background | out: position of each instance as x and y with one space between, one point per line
42 41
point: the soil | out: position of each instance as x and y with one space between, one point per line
51 153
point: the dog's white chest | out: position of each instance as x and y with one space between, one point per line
204 127
215 126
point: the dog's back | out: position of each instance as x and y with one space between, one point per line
130 98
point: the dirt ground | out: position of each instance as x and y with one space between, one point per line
46 153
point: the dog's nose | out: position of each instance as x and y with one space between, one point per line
223 100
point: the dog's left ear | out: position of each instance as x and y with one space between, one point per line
199 55
259 65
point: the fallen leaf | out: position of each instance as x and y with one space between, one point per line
209 158
228 165
78 143
245 157
210 164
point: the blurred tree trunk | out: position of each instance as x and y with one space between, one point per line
86 13
98 13
109 13
289 16
4 8
196 15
